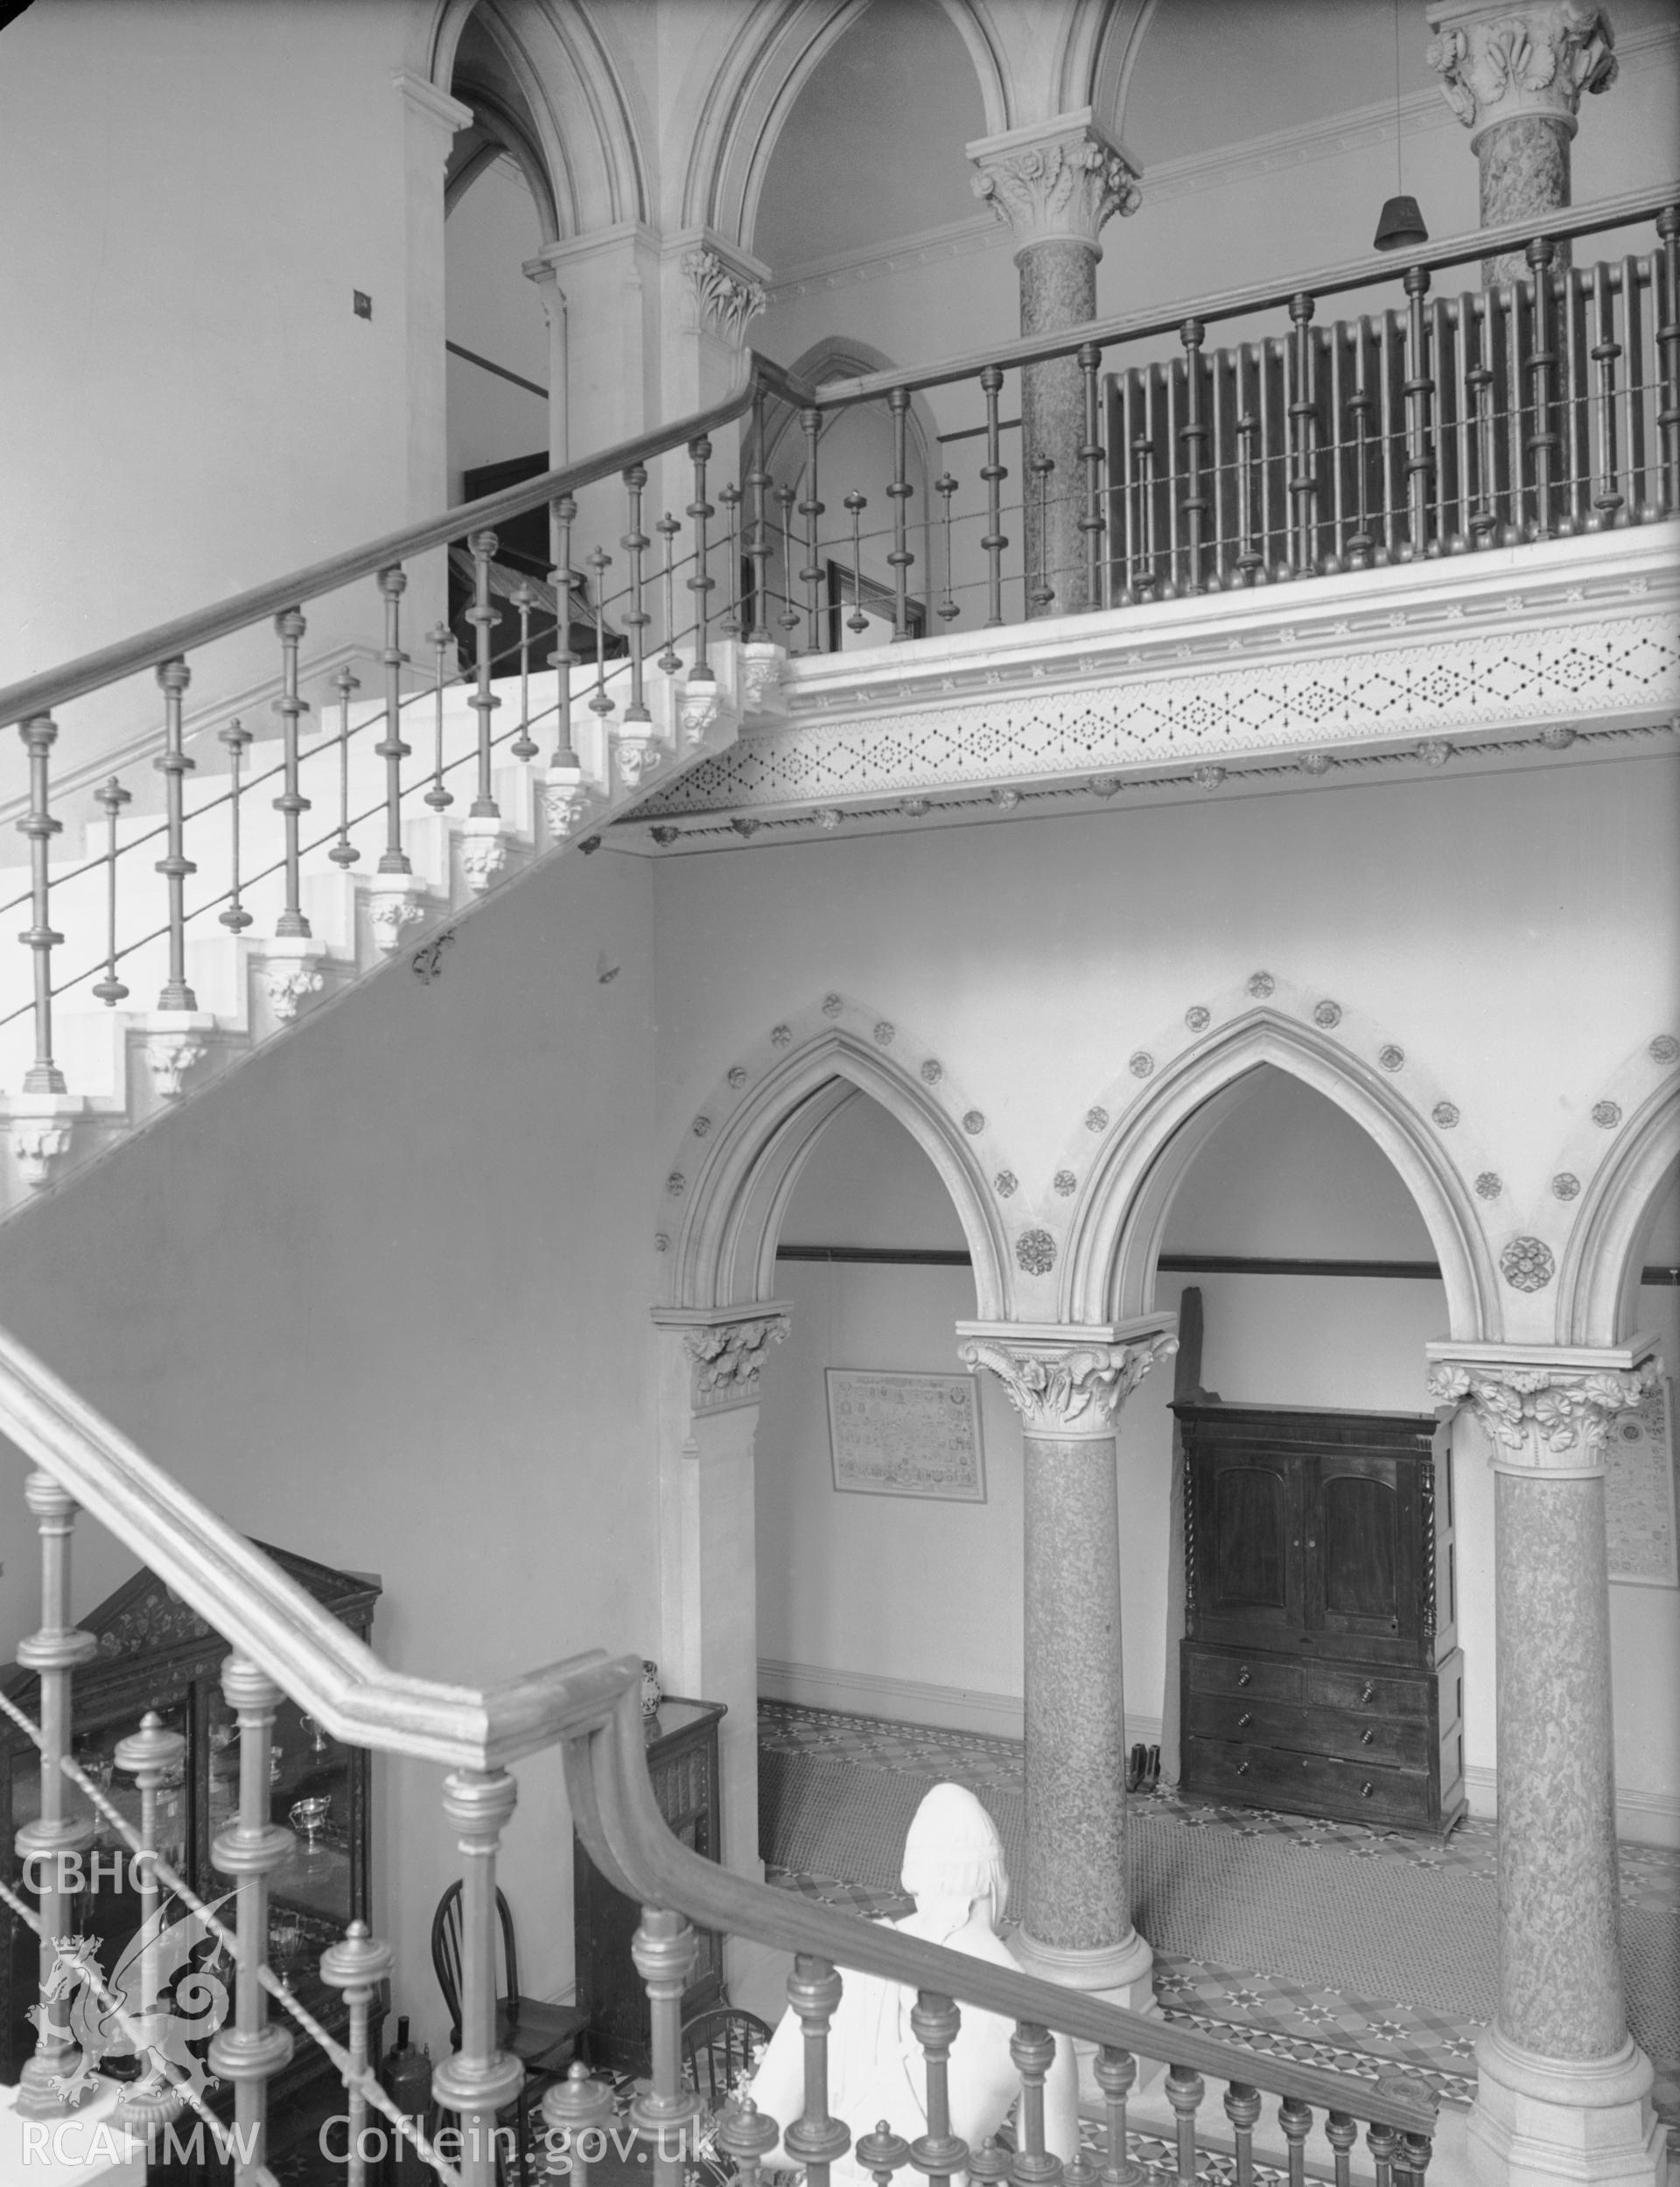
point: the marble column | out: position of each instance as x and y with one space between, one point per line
1067 1384
1563 2092
1514 77
1055 183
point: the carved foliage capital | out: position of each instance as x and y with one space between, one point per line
1061 1390
1065 187
729 1359
724 300
1497 64
1546 1416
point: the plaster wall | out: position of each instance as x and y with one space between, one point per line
380 1297
494 310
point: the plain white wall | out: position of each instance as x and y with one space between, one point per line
493 310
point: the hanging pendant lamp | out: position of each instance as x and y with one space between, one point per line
1400 224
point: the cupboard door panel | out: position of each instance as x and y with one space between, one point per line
1357 1545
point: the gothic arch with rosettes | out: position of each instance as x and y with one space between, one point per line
1119 1217
1598 1274
728 1188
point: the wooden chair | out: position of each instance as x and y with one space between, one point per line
541 2036
719 2049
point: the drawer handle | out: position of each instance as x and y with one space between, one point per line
1245 1719
1366 1692
1242 1768
1365 1791
1245 1677
1366 1737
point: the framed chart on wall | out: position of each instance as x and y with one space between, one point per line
892 1434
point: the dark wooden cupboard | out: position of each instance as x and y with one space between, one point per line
1321 1671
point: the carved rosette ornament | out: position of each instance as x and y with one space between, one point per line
1064 186
1499 64
729 1359
724 297
1061 1389
1543 1417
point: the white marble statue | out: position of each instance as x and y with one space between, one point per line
954 1869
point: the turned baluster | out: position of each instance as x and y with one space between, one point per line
356 1967
1250 562
524 745
290 803
1242 2109
252 2051
439 796
1417 2149
746 2137
815 2139
729 497
1116 2072
1303 441
484 618
1296 2119
1034 2051
789 619
576 2112
1384 2145
810 508
758 481
151 1755
1361 404
478 2079
1668 353
1484 516
899 493
561 514
945 485
1342 2131
664 1949
112 797
39 735
1193 434
53 1842
1543 392
1607 501
988 2165
343 852
1420 386
855 505
994 472
174 764
636 617
392 583
1184 2091
934 2022
702 582
1089 357
1043 593
669 661
600 562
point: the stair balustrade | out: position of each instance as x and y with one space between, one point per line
282 1642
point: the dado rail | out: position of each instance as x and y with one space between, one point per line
282 1643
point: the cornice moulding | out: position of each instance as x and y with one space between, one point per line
598 242
438 106
1569 1359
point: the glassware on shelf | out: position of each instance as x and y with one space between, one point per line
310 1816
318 1741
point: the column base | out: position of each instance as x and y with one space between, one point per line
1541 2120
1121 1973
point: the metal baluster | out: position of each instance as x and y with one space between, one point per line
729 497
1667 316
476 2080
1576 425
758 554
393 858
439 796
1184 2093
1419 387
815 2139
1416 2148
344 852
484 618
1606 501
47 1844
356 1965
636 617
1303 438
810 508
561 514
1034 2051
40 734
1390 372
789 619
1441 350
746 2136
994 472
855 505
1116 2072
945 487
112 797
934 2022
1089 357
1361 404
898 493
151 1755
253 2049
172 763
1296 2119
1484 517
1242 2109
576 2111
670 660
1638 275
703 581
1043 593
292 803
1250 562
1542 440
664 1949
1342 2131
1193 434
988 2165
1383 2143
600 562
523 599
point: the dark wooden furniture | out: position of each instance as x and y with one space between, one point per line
1321 1668
156 1653
683 1763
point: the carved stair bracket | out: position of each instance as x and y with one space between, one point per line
176 1043
291 980
729 1359
634 757
761 670
40 1141
1541 1417
1065 1387
392 909
700 707
565 801
484 851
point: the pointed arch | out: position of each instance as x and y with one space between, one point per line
1116 1235
725 1252
1098 53
1598 1281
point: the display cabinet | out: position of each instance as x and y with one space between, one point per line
155 1652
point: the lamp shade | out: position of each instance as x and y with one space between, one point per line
1400 224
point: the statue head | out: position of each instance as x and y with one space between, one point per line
954 1859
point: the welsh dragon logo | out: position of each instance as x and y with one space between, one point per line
188 2002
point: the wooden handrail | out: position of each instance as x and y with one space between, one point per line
40 694
618 1818
1365 272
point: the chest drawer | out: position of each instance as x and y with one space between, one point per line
1262 1680
1330 1686
1310 1783
1306 1730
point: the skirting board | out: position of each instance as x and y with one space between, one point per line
911 1700
1645 1818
